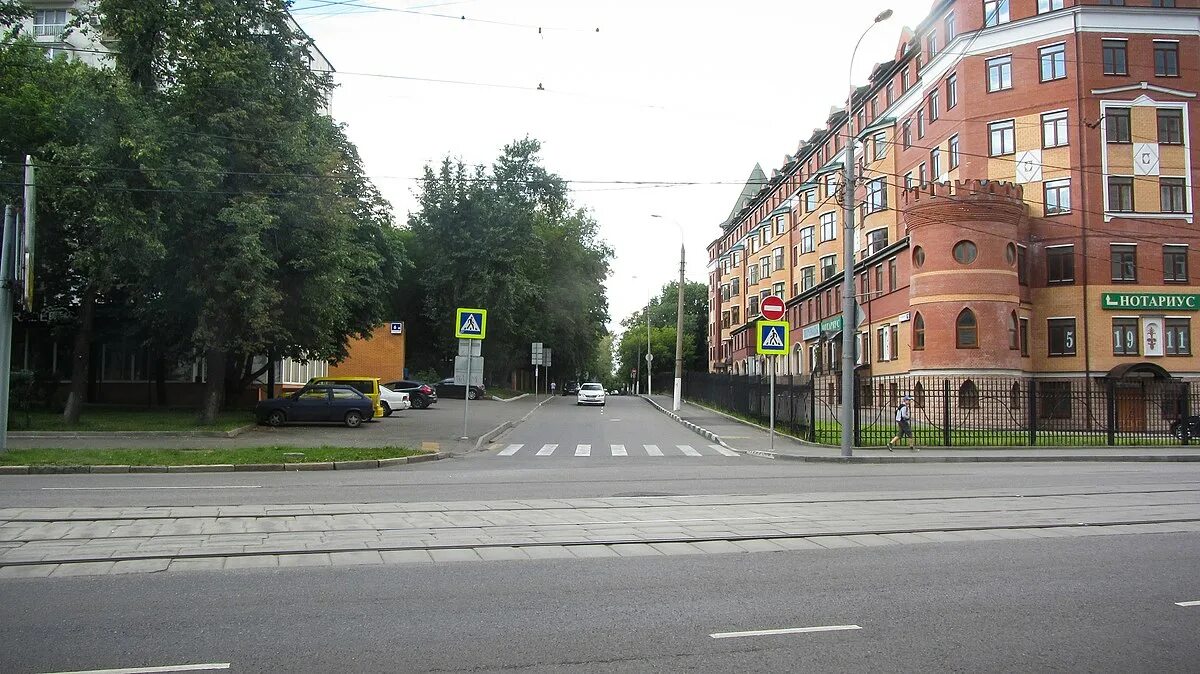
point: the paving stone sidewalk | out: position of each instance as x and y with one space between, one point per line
352 533
748 437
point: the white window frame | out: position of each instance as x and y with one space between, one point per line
828 226
1057 118
1060 187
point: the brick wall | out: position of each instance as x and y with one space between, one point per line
380 356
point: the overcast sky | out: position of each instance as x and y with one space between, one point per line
667 90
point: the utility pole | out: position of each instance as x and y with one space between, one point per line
8 256
678 402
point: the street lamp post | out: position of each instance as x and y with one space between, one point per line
846 412
678 398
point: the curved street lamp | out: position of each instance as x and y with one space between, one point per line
677 401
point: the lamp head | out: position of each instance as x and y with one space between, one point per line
884 15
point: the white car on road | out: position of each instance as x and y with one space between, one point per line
393 401
590 394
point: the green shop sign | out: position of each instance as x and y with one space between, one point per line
831 324
1162 301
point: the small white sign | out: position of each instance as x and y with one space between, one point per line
904 317
1029 166
397 327
1152 336
1145 159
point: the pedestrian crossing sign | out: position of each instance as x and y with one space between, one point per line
470 324
772 338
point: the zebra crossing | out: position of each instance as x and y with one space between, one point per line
621 450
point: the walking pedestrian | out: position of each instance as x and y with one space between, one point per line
553 386
904 421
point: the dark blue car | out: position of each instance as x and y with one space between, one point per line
342 404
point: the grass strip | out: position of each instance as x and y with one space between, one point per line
189 457
127 419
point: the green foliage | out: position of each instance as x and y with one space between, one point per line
663 311
507 240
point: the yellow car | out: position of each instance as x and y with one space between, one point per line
368 386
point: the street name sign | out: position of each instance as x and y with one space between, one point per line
772 307
1161 301
772 338
470 323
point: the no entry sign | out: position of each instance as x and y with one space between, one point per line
772 307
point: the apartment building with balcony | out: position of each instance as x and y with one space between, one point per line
1025 204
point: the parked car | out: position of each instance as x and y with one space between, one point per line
393 401
368 386
317 402
571 388
446 388
590 394
1189 427
421 394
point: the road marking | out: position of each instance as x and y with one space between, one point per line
1187 603
583 450
688 450
653 450
547 450
510 450
790 630
205 667
619 450
214 486
726 452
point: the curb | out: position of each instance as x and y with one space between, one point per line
497 431
509 400
698 429
1008 458
50 435
222 467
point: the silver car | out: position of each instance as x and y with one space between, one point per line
590 394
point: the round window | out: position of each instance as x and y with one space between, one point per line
918 257
1010 254
965 252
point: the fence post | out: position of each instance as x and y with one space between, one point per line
946 412
1031 412
812 408
1185 416
1110 411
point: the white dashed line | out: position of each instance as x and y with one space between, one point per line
510 450
583 450
214 486
789 630
205 667
547 450
1187 603
726 452
619 450
687 449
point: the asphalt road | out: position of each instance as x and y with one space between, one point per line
1091 604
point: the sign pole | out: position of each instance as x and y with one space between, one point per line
536 369
773 358
467 400
7 290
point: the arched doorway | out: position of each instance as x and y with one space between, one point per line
1132 385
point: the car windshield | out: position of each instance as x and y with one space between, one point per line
592 387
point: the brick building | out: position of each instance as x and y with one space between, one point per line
1024 205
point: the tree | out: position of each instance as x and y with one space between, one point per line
663 311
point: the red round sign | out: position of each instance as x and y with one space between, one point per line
772 307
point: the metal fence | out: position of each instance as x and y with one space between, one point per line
961 411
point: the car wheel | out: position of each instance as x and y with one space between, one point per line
420 404
473 394
276 418
353 418
387 409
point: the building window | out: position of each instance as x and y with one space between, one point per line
906 134
1002 138
1054 129
904 80
778 258
734 286
752 310
918 257
828 226
934 99
1178 337
1162 3
999 73
1166 59
1053 62
1023 265
810 201
874 108
1120 193
1170 126
893 276
880 143
1125 336
1060 265
1061 333
753 275
951 91
889 93
933 43
877 240
953 152
951 28
965 252
1049 5
1055 400
1114 57
1058 196
1172 197
806 240
882 343
920 123
908 180
1175 263
766 267
831 182
966 330
1024 325
935 163
777 289
877 195
879 279
808 278
1014 337
780 225
922 174
995 12
49 22
968 395
1116 125
1124 262
828 267
918 332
